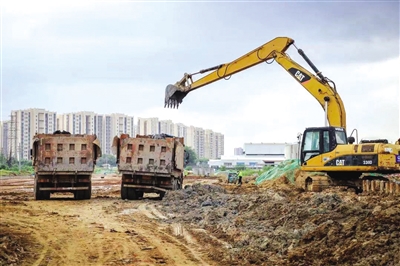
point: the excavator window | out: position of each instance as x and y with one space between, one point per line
321 140
325 139
340 135
310 145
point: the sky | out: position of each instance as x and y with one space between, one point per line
119 56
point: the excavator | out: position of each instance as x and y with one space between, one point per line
328 158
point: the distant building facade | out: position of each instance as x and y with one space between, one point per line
258 155
17 133
106 127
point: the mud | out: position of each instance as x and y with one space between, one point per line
209 222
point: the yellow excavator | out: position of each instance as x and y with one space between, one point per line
327 156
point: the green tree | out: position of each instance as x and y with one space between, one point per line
203 161
192 160
107 158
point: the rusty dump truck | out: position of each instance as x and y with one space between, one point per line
149 163
64 163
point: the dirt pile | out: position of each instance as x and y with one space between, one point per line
277 225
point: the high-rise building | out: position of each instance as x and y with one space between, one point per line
77 123
166 126
180 130
210 147
148 126
17 133
23 125
4 141
195 140
106 127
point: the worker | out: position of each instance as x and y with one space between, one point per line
240 178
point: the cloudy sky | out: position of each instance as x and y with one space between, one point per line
118 57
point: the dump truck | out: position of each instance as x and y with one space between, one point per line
149 164
64 162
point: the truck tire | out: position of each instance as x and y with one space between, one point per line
46 195
38 194
162 194
124 192
79 194
132 195
88 193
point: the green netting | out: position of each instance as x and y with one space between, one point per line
286 168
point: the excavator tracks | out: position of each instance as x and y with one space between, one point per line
368 183
386 184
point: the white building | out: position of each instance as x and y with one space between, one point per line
258 155
148 126
105 127
180 130
167 127
4 146
23 125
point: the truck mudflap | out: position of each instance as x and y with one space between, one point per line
148 187
63 188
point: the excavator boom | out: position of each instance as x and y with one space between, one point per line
320 87
174 94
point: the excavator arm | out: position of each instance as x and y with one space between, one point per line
320 87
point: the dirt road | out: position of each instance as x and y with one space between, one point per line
102 231
203 224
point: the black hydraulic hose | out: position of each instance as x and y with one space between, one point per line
311 64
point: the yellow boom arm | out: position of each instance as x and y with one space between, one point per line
317 85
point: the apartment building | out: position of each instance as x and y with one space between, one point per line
205 143
167 127
18 132
148 126
180 130
196 140
77 123
106 127
220 145
4 137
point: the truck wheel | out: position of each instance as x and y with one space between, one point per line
38 194
46 195
88 193
162 194
124 192
140 194
79 194
132 195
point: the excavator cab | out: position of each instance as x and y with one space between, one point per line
319 140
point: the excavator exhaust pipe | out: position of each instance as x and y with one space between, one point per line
173 96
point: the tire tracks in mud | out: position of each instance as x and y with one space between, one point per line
101 231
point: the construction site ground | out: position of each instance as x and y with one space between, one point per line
209 222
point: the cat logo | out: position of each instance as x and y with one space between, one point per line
339 162
300 76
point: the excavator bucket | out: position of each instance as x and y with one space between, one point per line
173 96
